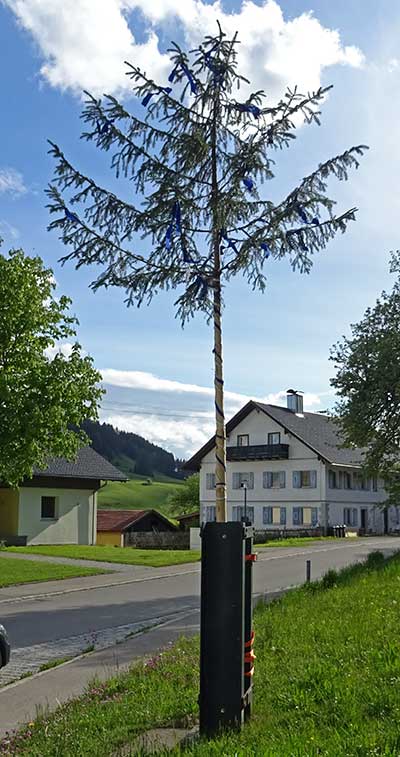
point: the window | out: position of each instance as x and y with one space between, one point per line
305 516
238 513
297 516
274 515
346 480
350 516
305 479
366 484
243 440
48 508
210 480
209 514
267 516
242 478
357 481
332 479
274 479
374 484
274 438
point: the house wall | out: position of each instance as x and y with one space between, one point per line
257 425
338 499
75 522
110 538
9 504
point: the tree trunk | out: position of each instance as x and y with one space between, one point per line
220 433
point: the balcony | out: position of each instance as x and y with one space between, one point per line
258 452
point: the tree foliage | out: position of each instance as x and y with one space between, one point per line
41 399
198 157
186 499
368 385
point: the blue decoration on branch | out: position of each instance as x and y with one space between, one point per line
304 217
248 108
249 183
188 74
176 215
71 216
168 237
266 249
149 95
230 243
105 127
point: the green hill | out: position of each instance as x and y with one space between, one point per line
136 494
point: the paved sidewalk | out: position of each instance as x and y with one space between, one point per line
20 702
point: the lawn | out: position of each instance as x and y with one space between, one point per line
295 541
29 571
135 494
326 682
156 558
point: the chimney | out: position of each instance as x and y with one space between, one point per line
294 400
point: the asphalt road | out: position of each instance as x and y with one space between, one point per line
49 618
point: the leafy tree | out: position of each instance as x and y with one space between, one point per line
41 399
186 498
368 385
197 156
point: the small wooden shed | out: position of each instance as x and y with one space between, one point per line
112 525
189 520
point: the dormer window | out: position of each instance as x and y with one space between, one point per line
274 438
243 440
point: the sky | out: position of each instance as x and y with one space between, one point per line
158 377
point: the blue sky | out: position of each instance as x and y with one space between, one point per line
159 377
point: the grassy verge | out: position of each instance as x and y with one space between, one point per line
295 541
28 571
326 682
156 558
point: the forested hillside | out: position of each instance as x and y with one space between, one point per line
130 452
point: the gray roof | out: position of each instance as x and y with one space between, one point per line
319 432
88 464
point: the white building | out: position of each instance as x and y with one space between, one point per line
293 472
57 505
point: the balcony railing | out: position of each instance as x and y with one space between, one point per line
258 452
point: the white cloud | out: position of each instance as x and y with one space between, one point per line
84 42
179 425
64 348
10 232
11 182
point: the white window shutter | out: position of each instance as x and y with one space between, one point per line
282 479
313 479
236 481
250 480
296 479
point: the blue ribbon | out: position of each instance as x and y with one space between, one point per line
149 95
304 217
71 216
266 249
104 128
176 215
193 85
248 108
168 237
230 242
249 183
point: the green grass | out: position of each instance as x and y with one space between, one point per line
295 541
128 555
136 495
326 683
28 571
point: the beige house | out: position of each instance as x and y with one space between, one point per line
291 468
59 504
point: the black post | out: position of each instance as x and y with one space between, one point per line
224 626
308 571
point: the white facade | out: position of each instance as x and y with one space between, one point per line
74 521
300 494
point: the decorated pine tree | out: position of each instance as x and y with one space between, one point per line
197 158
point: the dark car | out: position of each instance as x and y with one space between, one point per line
4 647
